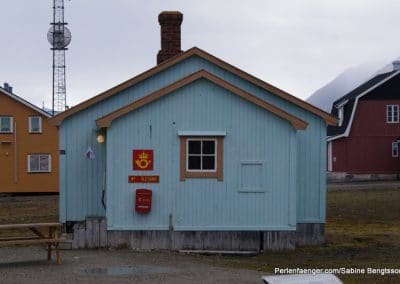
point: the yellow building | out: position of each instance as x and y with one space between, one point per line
28 146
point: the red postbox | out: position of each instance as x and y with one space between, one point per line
143 200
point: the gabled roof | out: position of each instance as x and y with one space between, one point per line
24 102
57 120
108 119
349 103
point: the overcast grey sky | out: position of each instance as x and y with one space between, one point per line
297 46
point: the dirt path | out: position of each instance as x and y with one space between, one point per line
28 265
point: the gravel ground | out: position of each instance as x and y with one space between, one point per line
29 265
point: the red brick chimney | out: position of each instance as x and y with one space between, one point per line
170 22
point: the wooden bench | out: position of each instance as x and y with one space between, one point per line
50 238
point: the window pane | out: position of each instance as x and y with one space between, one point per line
34 163
208 162
35 124
208 147
44 163
395 149
5 124
194 147
194 163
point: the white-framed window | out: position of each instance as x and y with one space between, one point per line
395 149
201 155
39 163
6 124
35 124
392 113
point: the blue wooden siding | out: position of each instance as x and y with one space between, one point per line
81 184
82 180
254 138
311 166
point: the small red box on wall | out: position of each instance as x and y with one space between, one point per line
143 200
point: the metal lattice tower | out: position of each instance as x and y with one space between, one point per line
59 37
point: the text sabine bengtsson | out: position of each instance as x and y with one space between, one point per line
342 270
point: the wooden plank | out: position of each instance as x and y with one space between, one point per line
16 226
58 256
89 233
32 241
279 240
92 233
222 252
75 237
103 233
81 236
18 239
96 233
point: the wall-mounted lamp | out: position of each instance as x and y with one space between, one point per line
101 136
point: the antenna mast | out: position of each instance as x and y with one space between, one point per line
59 37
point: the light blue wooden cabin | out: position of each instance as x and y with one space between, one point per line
270 190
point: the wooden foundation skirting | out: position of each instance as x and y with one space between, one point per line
93 233
308 234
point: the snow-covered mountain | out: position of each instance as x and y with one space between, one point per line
345 82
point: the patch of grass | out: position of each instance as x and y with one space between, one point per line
27 209
362 231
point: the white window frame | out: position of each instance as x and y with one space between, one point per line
215 155
341 115
39 170
40 124
392 118
395 149
11 123
330 160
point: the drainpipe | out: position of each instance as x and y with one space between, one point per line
101 139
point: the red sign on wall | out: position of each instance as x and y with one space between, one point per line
142 160
143 179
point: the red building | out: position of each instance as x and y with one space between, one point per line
366 141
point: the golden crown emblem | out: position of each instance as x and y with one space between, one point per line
143 156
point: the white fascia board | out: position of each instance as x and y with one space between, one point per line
341 104
331 138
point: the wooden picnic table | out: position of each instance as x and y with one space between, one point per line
50 238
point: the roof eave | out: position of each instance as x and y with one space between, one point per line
25 102
106 120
